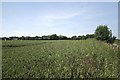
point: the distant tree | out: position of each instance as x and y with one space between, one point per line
27 38
74 37
90 36
54 37
13 38
79 37
61 37
5 38
45 37
37 38
84 37
22 38
103 33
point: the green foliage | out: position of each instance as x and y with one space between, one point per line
103 33
82 37
54 37
61 37
74 37
50 37
58 59
90 36
111 40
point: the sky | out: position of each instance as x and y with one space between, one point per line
61 18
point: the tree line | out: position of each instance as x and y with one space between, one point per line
102 33
49 37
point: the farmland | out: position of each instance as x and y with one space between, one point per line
59 59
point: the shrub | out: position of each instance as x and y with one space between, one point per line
104 34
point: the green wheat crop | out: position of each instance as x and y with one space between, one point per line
59 59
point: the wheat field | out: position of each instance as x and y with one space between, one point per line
59 59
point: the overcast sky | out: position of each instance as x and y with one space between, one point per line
65 18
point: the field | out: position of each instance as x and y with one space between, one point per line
59 59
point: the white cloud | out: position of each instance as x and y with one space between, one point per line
64 15
51 19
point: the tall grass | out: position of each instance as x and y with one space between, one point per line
59 59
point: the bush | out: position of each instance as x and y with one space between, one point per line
104 34
111 40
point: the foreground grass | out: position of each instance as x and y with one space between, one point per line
59 59
117 42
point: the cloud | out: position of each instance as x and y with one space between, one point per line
65 15
52 19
